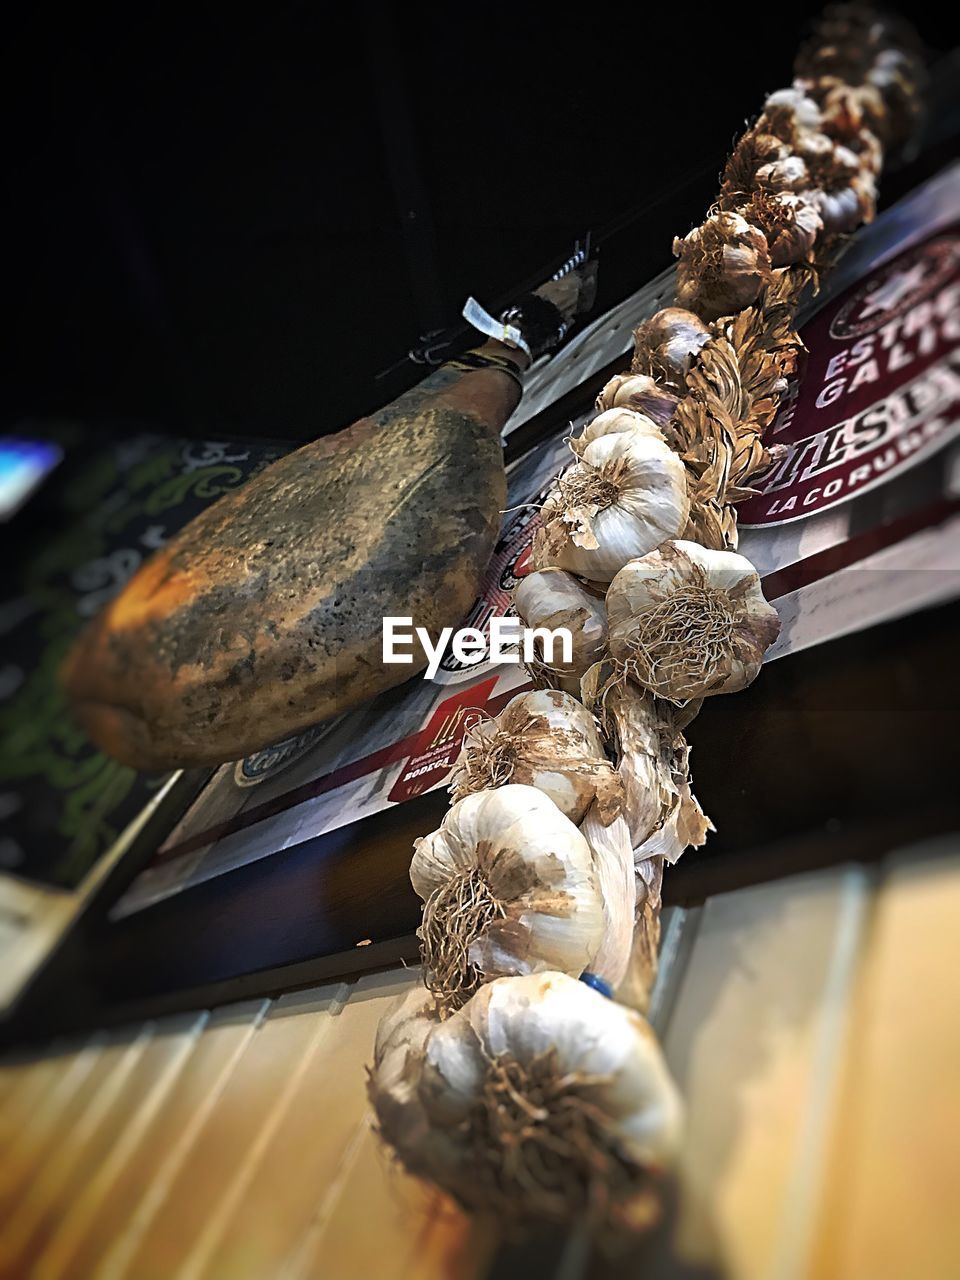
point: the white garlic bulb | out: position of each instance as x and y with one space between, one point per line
844 208
641 393
614 422
788 174
686 622
666 345
544 739
790 222
428 1151
559 1099
802 111
723 265
552 598
624 496
509 886
540 1100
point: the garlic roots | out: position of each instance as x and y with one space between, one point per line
509 886
540 1099
686 622
544 739
723 265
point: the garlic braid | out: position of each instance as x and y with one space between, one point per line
706 381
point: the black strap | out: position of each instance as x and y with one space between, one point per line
540 322
471 360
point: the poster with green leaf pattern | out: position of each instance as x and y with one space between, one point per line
62 802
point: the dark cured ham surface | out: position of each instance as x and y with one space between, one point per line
264 615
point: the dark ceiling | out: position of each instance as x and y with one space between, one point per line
232 219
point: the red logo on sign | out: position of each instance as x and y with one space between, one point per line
438 745
881 389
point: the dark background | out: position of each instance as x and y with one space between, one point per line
224 219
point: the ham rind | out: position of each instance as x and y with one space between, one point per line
264 615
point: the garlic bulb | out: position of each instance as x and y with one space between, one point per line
754 150
614 422
790 222
844 194
508 886
544 739
613 861
639 392
552 598
788 174
428 1151
788 110
625 495
559 1100
828 175
723 265
686 622
666 345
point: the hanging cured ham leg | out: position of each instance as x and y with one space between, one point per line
265 614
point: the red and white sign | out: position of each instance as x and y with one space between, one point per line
880 390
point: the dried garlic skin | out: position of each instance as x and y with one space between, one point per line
687 622
723 265
635 726
612 851
754 151
545 739
509 887
790 222
553 598
637 985
641 393
665 346
652 756
626 494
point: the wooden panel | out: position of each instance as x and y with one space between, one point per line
751 1042
27 1086
421 1235
287 1173
117 1137
113 1234
889 1197
256 1090
37 1132
43 1200
810 1032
